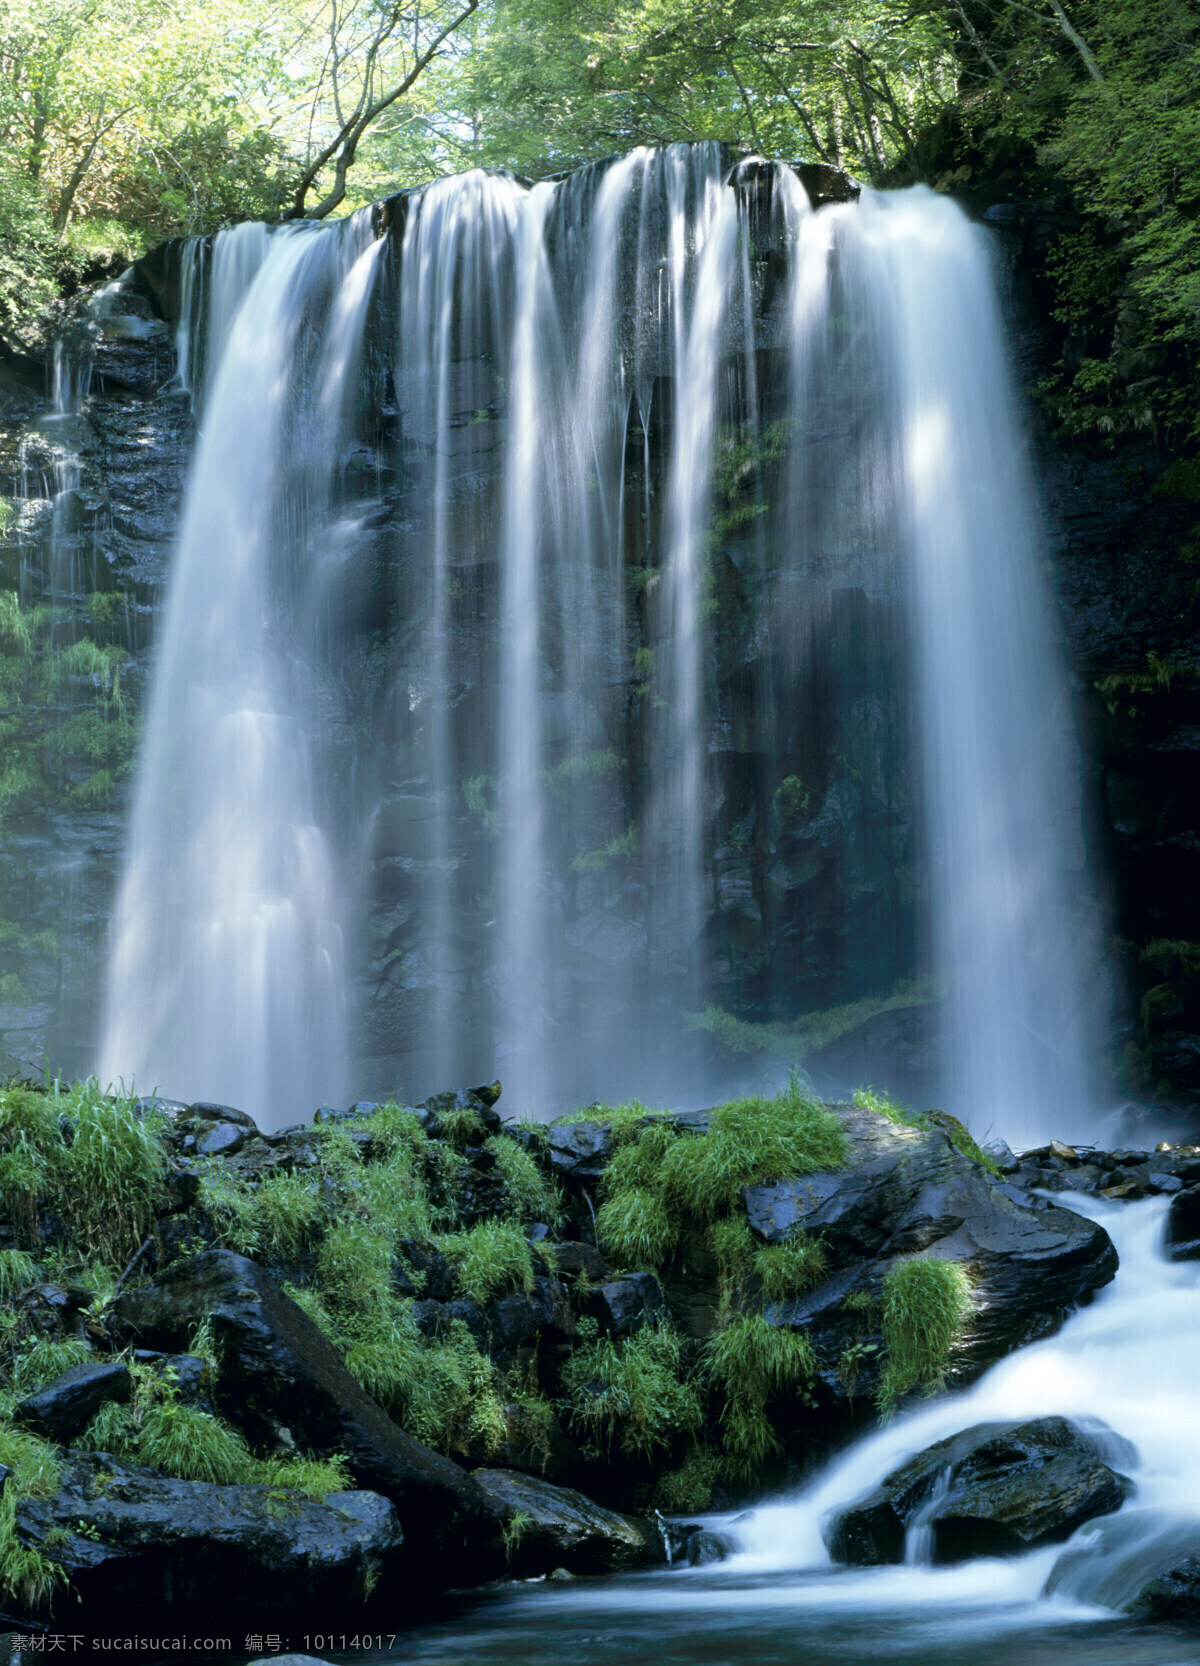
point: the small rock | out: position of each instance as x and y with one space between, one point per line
1174 1595
69 1403
223 1113
223 1139
625 1304
704 1547
1066 1152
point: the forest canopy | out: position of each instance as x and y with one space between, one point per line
128 121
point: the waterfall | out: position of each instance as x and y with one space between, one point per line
226 974
598 602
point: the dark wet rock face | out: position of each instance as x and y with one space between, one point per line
133 1542
278 1372
556 1527
993 1490
69 1403
907 1191
1174 1595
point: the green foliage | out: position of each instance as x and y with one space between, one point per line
46 1358
113 1168
529 1195
17 1272
595 861
794 1041
926 1306
582 766
749 1360
633 1392
491 1258
635 1228
688 1489
27 1576
32 1153
790 1268
191 1444
475 791
354 1265
752 1141
311 1477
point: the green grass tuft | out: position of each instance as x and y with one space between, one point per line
114 1168
810 1032
635 1228
926 1306
354 1265
789 1269
748 1361
752 1141
313 1478
17 1272
633 1393
490 1259
27 1576
46 1359
192 1445
530 1195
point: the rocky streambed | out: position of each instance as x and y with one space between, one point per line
352 1364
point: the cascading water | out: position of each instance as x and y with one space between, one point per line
226 978
638 581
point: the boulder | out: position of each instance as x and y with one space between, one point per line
551 1527
222 1139
994 1490
69 1403
908 1190
278 1372
207 1112
133 1541
1174 1595
579 1151
624 1305
1181 1238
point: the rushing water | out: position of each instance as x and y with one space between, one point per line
1131 1360
539 554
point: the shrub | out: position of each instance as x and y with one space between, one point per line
688 1489
633 1392
492 1257
926 1304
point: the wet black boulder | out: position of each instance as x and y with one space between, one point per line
993 1490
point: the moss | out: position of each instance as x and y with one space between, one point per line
960 1136
633 1393
926 1306
794 1041
492 1257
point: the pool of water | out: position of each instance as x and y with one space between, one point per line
946 1617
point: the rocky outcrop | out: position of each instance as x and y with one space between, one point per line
908 1191
69 1403
278 1372
550 1526
134 1543
994 1490
1173 1595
